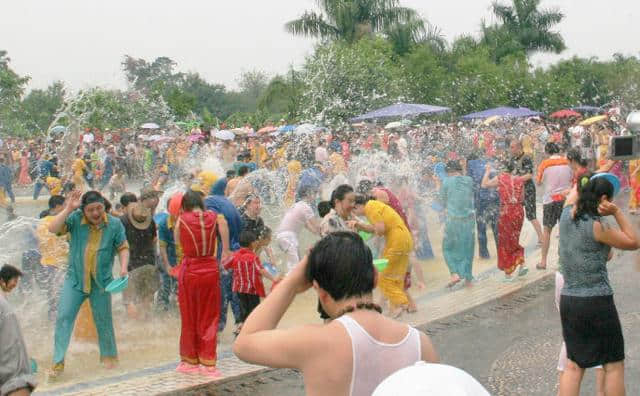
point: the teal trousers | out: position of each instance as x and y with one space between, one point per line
69 304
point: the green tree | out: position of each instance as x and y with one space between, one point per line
343 80
351 20
12 87
525 27
40 106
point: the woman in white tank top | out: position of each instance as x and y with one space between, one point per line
352 354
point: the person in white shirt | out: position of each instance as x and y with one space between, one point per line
353 353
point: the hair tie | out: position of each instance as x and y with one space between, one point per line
583 181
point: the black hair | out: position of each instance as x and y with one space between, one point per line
107 205
243 170
507 166
306 191
364 186
265 232
8 272
246 238
339 193
453 166
363 199
191 200
589 196
127 198
231 173
324 207
574 155
342 265
56 200
551 148
91 197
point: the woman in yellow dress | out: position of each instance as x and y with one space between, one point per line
294 168
78 167
385 221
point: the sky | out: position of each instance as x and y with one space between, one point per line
82 42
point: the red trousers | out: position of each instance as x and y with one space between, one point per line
199 299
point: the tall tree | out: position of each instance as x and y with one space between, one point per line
12 87
40 106
525 26
351 20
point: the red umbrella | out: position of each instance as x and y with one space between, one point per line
565 114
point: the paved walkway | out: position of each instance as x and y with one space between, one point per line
434 305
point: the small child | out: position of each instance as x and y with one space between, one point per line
247 274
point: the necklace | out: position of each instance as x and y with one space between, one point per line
361 305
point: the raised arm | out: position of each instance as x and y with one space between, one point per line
625 238
72 203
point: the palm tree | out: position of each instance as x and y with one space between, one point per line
351 20
526 25
406 35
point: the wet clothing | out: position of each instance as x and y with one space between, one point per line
142 247
92 251
510 253
487 205
458 245
374 361
198 287
246 267
15 366
590 323
523 165
398 245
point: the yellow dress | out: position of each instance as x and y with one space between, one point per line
206 180
294 168
398 245
54 184
338 164
78 168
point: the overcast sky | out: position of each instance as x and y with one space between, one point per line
82 42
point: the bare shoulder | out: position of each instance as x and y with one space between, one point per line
429 353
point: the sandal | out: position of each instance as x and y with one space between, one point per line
523 271
541 268
55 371
212 372
186 368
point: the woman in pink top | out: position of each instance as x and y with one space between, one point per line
297 217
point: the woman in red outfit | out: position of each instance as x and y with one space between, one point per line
196 232
511 192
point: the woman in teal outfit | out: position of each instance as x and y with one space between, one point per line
458 245
95 239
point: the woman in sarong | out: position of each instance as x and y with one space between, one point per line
24 178
458 245
385 221
511 192
196 231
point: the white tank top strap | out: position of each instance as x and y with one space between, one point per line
373 360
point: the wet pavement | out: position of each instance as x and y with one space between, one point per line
510 345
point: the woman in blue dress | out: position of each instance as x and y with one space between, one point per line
456 195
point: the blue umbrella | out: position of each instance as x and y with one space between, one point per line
587 109
58 129
403 110
510 112
287 128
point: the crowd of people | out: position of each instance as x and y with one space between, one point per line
365 194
